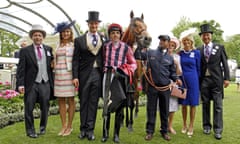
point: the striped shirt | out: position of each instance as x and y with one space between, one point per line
118 54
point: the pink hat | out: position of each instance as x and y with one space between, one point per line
176 41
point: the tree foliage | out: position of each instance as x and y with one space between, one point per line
185 24
232 46
7 43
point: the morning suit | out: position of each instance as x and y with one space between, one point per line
214 70
87 67
37 78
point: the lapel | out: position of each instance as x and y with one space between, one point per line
214 52
33 55
46 52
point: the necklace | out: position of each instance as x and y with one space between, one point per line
187 52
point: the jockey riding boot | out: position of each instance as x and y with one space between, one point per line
106 125
117 126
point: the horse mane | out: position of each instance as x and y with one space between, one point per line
128 37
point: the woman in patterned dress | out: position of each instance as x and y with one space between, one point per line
64 89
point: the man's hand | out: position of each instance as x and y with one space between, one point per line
21 90
226 83
179 82
76 83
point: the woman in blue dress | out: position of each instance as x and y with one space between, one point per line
190 63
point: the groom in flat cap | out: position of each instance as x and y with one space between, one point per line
87 74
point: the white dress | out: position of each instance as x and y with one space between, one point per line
173 101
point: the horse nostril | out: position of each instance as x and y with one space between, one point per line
148 39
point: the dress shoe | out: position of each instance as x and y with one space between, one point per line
116 139
207 131
148 137
218 136
42 132
104 139
33 135
91 137
82 135
67 132
166 136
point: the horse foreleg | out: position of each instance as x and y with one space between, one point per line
136 105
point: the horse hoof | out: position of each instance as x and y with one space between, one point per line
135 115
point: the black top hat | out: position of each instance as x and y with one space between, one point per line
164 37
205 28
93 16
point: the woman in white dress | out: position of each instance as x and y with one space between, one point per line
173 101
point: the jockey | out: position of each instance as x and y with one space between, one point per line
119 64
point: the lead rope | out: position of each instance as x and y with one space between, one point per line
151 82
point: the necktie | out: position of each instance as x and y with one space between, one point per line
39 52
207 52
94 40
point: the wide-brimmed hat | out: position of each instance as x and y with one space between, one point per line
176 41
93 16
205 28
62 26
164 37
37 28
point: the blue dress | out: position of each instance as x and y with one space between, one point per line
190 63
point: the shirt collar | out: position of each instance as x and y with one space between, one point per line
209 44
35 46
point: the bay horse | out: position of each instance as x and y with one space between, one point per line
136 36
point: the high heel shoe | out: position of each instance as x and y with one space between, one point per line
190 133
62 132
172 131
184 130
67 132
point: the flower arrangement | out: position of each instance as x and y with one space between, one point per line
6 92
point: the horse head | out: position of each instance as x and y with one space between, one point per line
137 33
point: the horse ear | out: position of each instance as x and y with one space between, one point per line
142 16
131 14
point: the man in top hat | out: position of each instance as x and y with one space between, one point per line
35 79
160 71
214 76
87 74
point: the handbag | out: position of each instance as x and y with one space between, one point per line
179 92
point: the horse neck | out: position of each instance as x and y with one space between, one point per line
128 37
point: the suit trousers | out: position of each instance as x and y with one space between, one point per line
154 97
88 99
209 91
40 93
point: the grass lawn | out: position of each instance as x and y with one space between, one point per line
15 134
